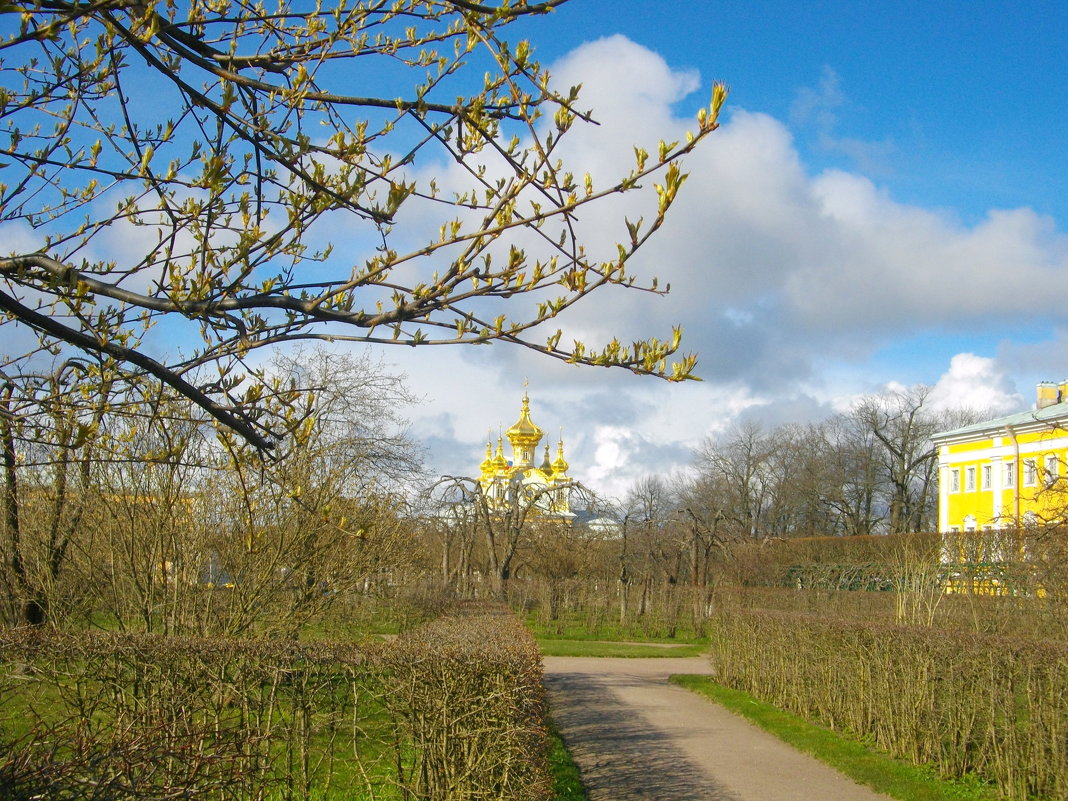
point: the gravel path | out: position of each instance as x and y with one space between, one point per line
635 736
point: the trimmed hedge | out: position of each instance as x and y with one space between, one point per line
108 716
966 704
452 710
468 695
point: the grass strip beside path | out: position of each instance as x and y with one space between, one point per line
567 782
879 771
553 647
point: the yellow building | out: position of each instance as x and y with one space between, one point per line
1009 472
545 485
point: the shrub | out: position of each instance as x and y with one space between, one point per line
967 704
139 716
454 709
466 691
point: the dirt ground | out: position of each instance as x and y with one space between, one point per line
635 736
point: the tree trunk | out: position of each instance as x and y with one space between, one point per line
33 611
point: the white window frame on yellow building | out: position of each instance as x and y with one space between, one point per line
1049 469
1022 498
1030 471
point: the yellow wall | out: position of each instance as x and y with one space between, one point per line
967 501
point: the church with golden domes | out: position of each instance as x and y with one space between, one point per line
545 484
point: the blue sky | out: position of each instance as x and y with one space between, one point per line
885 205
960 105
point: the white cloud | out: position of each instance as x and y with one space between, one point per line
20 239
780 279
978 383
611 445
630 89
889 264
817 106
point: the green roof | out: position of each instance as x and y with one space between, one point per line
1051 415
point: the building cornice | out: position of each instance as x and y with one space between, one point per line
1052 418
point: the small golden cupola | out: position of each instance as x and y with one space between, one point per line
560 465
487 464
499 462
546 463
524 436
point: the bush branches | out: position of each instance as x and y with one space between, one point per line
454 709
965 703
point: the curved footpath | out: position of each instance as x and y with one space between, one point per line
635 736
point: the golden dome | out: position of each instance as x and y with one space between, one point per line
526 477
546 465
499 462
560 465
524 432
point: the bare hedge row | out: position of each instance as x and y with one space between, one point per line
474 707
453 710
961 702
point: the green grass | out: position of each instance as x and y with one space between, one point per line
567 783
879 771
576 626
554 647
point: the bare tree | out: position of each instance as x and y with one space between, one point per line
847 474
902 423
504 520
652 550
328 515
50 451
906 459
736 480
140 509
